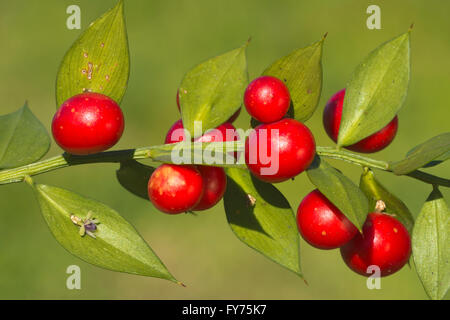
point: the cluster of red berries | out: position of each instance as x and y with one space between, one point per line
284 140
384 241
91 122
176 189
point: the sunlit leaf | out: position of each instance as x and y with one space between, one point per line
23 139
340 190
117 246
213 91
301 70
431 246
436 148
98 60
376 91
262 218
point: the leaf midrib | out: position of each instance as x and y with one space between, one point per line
63 210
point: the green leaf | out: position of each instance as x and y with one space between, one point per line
23 139
117 246
213 91
340 190
438 160
375 191
302 72
376 91
134 177
261 217
98 60
430 244
433 149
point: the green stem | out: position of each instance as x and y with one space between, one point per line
352 158
162 154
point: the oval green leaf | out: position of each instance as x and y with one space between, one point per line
301 71
376 91
261 217
98 60
134 177
340 190
431 246
436 148
23 139
375 191
117 246
213 91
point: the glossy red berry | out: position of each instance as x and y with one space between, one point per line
87 123
215 184
385 243
321 224
224 132
279 151
175 188
373 143
267 99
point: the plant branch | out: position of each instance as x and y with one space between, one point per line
163 153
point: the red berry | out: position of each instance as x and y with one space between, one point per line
215 184
175 188
275 160
267 99
373 143
321 224
224 132
175 133
87 123
385 243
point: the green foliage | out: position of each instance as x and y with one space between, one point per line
117 246
376 91
134 177
302 72
98 60
436 148
261 217
340 190
213 91
375 191
23 139
430 245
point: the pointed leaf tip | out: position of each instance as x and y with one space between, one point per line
376 91
98 61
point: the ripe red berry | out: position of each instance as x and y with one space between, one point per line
224 132
215 184
385 243
267 99
275 160
373 143
87 123
321 224
175 188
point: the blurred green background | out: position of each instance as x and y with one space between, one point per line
166 39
